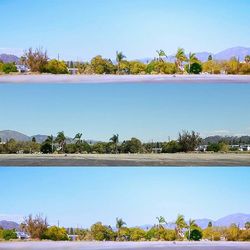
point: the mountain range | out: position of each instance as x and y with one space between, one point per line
239 219
238 52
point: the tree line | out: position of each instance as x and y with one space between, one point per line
38 61
38 228
186 142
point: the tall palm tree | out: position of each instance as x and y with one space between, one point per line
247 59
119 224
61 139
50 139
180 58
161 53
115 140
191 59
119 57
78 139
180 224
191 225
161 220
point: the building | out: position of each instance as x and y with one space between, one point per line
73 71
22 235
245 148
22 68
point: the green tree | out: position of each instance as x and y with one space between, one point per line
55 233
115 140
119 224
57 67
180 58
191 59
180 224
195 234
100 232
133 146
210 224
9 234
191 225
195 68
210 58
61 140
247 225
102 66
161 221
119 58
247 59
8 68
161 53
189 141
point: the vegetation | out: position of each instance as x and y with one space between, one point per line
37 61
186 142
38 228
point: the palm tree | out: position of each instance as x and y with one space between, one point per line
180 58
180 224
61 139
191 225
119 57
115 140
161 53
78 139
50 139
247 59
191 59
161 220
119 224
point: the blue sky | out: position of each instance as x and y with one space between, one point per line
146 111
81 29
82 196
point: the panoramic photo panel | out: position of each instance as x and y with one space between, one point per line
124 125
125 208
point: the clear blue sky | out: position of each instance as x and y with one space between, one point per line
82 196
147 111
81 29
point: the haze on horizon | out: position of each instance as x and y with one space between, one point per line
79 30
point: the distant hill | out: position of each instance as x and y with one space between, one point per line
6 58
239 52
10 134
238 219
229 139
9 224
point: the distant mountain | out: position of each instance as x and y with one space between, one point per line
229 139
6 58
238 52
9 224
10 134
238 219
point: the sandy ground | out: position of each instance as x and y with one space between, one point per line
179 159
47 78
125 245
